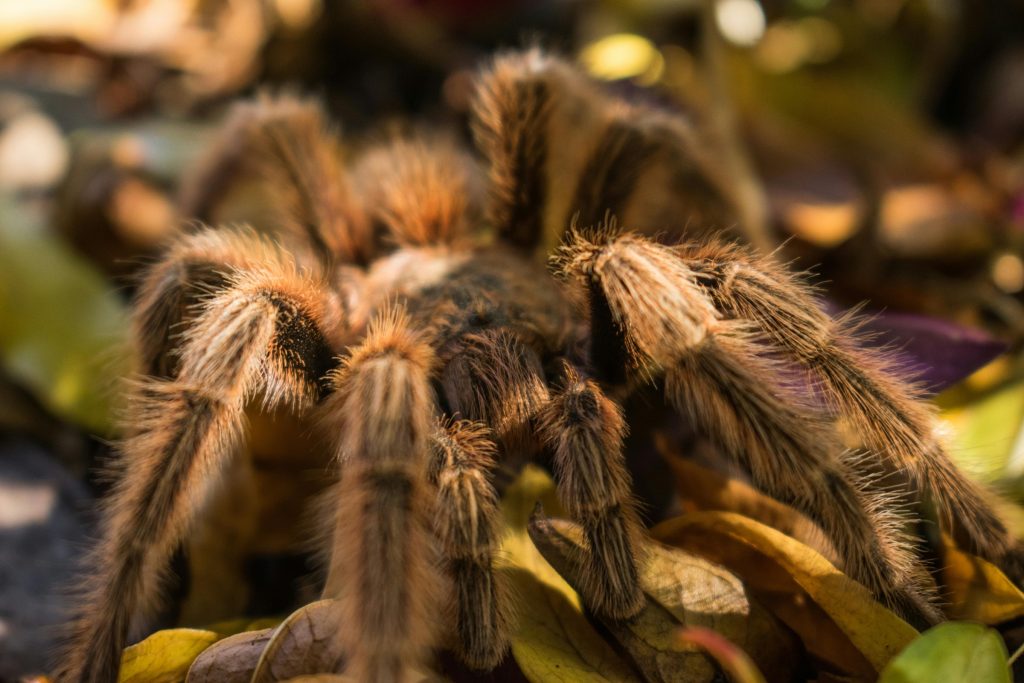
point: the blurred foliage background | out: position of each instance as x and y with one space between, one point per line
880 142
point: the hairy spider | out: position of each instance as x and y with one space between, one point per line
408 310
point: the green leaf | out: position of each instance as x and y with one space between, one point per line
62 330
985 432
951 653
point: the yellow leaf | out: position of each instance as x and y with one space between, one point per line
978 590
165 656
554 641
837 618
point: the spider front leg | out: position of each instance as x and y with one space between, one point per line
382 566
861 385
715 374
499 380
261 334
585 430
468 526
193 268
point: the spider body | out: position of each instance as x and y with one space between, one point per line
408 311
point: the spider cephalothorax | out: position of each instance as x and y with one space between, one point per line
412 315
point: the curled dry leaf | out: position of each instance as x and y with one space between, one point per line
554 641
682 590
836 617
231 660
305 643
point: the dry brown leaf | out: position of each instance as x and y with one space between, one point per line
305 643
232 660
682 590
837 618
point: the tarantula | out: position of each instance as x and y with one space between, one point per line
407 309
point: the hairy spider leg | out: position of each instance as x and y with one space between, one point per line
259 335
715 374
468 526
860 383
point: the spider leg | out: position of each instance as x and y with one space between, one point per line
417 191
714 372
171 292
585 430
511 118
561 150
468 525
498 380
287 143
860 384
259 335
382 566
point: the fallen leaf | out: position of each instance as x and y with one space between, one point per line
554 641
836 617
231 660
305 643
702 488
978 590
165 656
682 590
951 653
